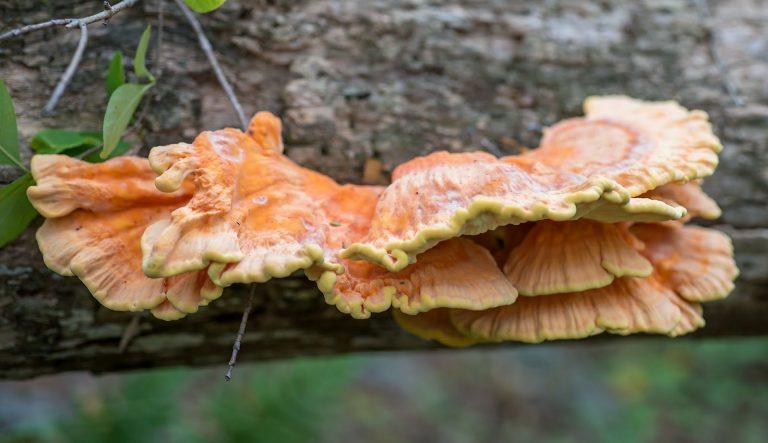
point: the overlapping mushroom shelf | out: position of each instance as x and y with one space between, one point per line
582 235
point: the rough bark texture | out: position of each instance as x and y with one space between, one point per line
386 79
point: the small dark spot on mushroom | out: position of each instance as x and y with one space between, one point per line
78 228
335 223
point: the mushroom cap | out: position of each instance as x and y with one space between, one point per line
456 273
64 184
691 265
589 167
639 145
166 311
434 325
688 195
254 213
444 195
626 306
695 262
95 233
572 256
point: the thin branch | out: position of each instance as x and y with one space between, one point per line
491 147
35 27
138 124
240 333
67 77
129 333
90 151
208 49
69 22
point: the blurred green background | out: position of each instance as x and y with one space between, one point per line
625 390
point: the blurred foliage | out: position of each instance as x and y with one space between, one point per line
627 391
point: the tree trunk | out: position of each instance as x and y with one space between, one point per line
384 79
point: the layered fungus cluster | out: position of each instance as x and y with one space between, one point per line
582 235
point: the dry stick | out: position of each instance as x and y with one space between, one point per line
69 22
129 333
240 333
208 49
91 150
67 77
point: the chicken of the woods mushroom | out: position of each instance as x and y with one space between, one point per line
583 235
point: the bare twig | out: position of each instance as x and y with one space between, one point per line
129 333
35 27
69 22
491 147
67 77
240 333
705 15
208 49
81 23
138 124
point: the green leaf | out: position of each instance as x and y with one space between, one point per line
72 143
120 110
9 138
15 210
139 62
115 73
56 141
204 5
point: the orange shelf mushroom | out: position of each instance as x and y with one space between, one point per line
96 215
594 167
581 277
580 236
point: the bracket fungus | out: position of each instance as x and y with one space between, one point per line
96 215
582 235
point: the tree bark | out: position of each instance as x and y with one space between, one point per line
384 79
